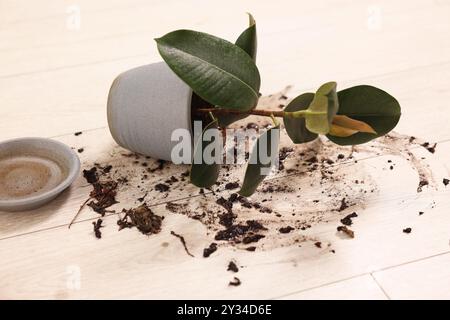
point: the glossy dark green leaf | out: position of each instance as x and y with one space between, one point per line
295 127
217 70
258 167
204 174
371 105
322 109
248 40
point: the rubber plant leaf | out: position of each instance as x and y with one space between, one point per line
322 109
205 173
247 41
296 127
217 70
262 159
371 105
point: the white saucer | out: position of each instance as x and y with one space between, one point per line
33 171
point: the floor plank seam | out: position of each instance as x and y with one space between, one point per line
373 76
72 133
37 231
320 286
380 286
94 218
411 261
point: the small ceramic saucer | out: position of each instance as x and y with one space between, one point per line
33 171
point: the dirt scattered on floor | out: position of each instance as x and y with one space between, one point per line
407 230
422 183
90 175
97 225
104 194
235 282
343 205
347 220
245 233
161 187
346 231
210 250
286 229
232 267
159 167
232 185
445 181
105 169
430 147
104 191
403 146
142 218
252 238
78 133
317 183
183 242
141 199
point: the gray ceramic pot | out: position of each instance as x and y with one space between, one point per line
145 105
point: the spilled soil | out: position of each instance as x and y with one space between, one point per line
317 182
141 218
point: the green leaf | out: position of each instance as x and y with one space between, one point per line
371 105
248 40
204 175
258 167
322 109
295 127
217 70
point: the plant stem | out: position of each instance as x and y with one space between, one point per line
212 116
275 121
264 113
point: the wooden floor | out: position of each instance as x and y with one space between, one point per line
57 61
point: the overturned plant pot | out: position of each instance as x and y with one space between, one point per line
145 106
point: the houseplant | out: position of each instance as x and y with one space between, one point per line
226 81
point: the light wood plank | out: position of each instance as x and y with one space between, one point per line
424 279
60 102
358 288
280 53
